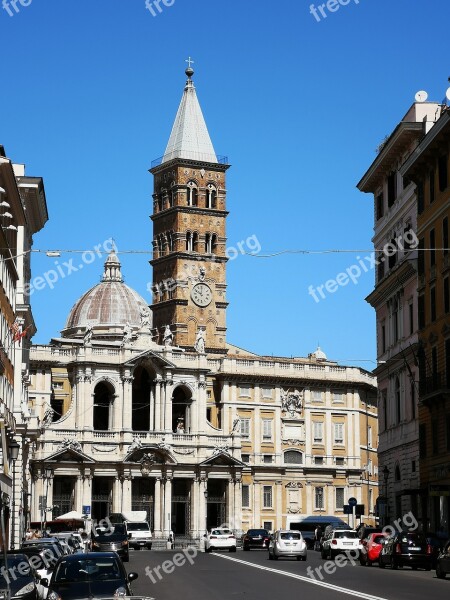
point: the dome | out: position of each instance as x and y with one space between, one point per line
318 354
109 304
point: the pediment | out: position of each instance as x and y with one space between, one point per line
69 455
150 454
152 355
222 459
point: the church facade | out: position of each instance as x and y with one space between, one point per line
150 408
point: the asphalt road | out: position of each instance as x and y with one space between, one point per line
250 575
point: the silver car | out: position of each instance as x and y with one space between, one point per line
287 543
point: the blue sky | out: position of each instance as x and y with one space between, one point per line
89 94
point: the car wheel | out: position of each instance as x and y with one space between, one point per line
246 549
149 547
232 549
394 565
439 572
303 557
381 563
298 557
323 554
270 556
368 563
428 568
275 557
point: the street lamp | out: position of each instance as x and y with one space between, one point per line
386 477
14 448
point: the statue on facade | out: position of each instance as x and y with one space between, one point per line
200 341
48 417
127 334
202 274
167 337
87 335
145 318
291 402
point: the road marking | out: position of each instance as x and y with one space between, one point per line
324 584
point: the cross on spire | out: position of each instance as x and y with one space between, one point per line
190 62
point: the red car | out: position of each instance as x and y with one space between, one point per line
372 545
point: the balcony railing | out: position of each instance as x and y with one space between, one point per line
197 156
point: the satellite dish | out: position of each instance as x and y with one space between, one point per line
421 96
447 93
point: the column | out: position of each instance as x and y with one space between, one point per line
126 493
117 494
168 389
157 507
152 408
202 487
167 515
256 504
279 505
79 493
87 489
230 503
194 507
127 401
157 405
238 504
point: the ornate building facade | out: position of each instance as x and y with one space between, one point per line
156 411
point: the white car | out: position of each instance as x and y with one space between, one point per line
340 541
220 538
287 543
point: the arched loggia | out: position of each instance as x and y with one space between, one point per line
142 384
181 410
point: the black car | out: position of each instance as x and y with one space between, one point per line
406 549
437 544
21 576
365 531
256 538
443 562
93 575
111 541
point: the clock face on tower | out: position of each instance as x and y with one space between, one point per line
201 294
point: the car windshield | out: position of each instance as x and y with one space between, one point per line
345 534
255 532
87 570
413 539
109 537
221 532
17 566
138 527
288 535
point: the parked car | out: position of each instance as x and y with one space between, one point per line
308 527
69 541
22 577
371 548
437 544
365 531
338 541
256 538
443 562
111 541
43 562
220 538
406 549
287 543
94 575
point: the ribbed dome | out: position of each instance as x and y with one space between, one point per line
109 303
318 354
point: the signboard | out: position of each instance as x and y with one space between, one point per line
352 501
359 510
439 490
86 510
347 509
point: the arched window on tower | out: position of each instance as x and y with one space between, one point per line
211 196
214 244
195 241
172 195
103 403
188 241
208 243
161 199
192 194
171 241
160 243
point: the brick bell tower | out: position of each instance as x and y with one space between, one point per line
189 239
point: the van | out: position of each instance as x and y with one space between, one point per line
137 528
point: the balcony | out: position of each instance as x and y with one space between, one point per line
433 387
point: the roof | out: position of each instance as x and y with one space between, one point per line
190 138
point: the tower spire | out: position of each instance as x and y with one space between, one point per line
189 138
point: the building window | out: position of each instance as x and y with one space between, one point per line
293 457
421 310
244 391
446 295
339 397
411 317
445 235
211 196
413 400
423 440
434 363
435 436
245 428
380 271
318 460
383 338
398 401
421 257
318 432
442 169
432 177
103 399
245 496
369 437
192 194
395 331
318 495
317 396
338 433
267 459
420 198
267 429
413 466
370 500
433 303
58 385
340 491
392 188
266 392
432 248
339 460
380 205
267 496
245 458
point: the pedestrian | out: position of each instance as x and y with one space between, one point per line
317 537
28 534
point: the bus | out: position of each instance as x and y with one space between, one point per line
308 525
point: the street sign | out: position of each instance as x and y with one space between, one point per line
359 510
347 509
86 510
352 501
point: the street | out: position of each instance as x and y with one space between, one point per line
220 576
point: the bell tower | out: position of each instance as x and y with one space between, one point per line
189 238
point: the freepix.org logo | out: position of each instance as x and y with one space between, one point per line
12 8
